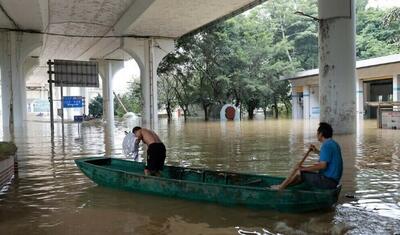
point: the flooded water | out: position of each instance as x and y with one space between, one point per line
51 196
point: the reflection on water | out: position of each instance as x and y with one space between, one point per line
50 195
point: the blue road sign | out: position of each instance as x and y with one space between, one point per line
73 102
78 118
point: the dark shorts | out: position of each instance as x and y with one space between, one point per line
318 180
155 157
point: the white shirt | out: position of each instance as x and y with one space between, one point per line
130 147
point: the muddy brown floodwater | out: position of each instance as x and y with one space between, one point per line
51 196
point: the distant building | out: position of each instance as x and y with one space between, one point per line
378 79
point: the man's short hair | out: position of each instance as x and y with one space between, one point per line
325 129
136 128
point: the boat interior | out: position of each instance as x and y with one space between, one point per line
195 175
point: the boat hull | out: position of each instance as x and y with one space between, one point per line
227 188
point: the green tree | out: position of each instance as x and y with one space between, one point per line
166 94
96 106
178 67
377 33
241 60
131 100
391 20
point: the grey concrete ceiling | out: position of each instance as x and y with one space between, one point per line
159 18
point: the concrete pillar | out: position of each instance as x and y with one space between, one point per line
68 112
27 68
6 80
314 102
13 86
57 105
43 91
296 109
14 49
148 53
149 80
306 102
108 69
360 98
83 92
23 110
108 99
337 64
396 87
396 90
147 77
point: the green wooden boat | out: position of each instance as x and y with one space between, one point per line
228 188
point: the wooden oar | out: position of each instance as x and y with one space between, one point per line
289 179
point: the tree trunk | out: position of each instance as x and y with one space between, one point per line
250 110
276 108
287 108
169 112
241 112
205 108
185 113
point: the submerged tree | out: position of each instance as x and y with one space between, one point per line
241 60
131 100
166 95
96 106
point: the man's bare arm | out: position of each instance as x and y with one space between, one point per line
316 167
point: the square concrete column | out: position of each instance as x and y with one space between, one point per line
396 90
149 86
148 53
14 49
314 102
337 60
13 86
295 104
360 98
306 102
83 91
107 70
396 87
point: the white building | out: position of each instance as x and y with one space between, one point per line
377 79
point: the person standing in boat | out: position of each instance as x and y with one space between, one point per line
327 172
156 151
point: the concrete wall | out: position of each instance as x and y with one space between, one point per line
314 102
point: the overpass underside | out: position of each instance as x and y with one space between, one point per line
146 31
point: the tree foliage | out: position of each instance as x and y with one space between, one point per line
131 100
96 106
240 61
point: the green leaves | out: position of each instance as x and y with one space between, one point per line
96 106
240 60
131 100
376 37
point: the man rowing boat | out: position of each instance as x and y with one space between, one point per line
327 172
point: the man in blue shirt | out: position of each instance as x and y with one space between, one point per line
330 164
327 172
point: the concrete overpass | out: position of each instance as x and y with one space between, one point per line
33 31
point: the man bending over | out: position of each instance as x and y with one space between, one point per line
156 151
